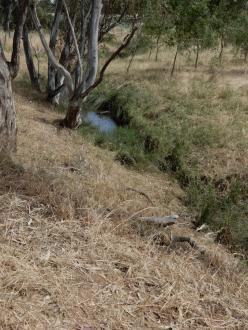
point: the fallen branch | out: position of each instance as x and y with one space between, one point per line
141 193
164 221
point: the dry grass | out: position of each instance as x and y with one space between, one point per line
74 256
86 266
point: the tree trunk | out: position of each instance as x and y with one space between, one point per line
59 78
157 48
174 63
73 112
7 11
93 56
7 110
15 57
52 71
150 52
8 8
34 77
245 55
222 45
130 62
197 55
72 119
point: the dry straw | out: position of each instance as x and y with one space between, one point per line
73 254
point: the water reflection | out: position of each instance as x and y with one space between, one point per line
104 124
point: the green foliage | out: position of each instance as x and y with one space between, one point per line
198 23
122 103
155 135
183 23
139 45
45 13
224 15
239 35
222 204
171 138
224 12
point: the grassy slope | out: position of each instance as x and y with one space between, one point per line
197 124
74 256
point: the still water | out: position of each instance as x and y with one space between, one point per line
104 124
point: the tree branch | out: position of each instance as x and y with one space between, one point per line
74 39
51 56
125 43
107 29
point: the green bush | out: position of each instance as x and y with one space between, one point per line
223 205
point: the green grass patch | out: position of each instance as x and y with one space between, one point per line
223 205
170 134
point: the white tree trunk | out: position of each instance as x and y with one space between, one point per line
51 79
72 116
93 57
7 110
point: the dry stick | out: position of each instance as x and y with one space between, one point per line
130 62
141 193
174 63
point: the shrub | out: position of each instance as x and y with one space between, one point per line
222 204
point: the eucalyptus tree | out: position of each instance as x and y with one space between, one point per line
190 26
156 24
76 67
29 52
181 24
8 71
223 14
238 34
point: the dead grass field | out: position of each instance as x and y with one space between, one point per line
73 254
